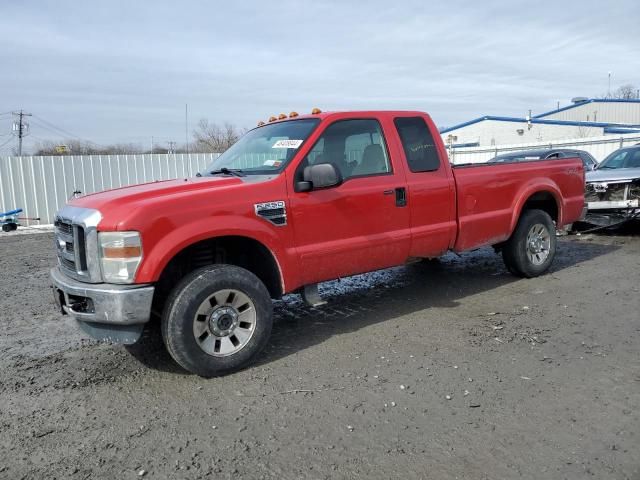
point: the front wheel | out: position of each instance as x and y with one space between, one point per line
217 319
532 246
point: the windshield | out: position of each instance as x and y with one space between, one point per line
266 149
625 158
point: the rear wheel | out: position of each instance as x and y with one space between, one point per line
532 246
217 320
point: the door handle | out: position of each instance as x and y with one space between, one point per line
388 192
401 197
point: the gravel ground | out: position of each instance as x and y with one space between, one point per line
451 369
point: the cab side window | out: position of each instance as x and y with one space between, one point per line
355 147
418 144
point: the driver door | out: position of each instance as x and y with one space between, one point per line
362 224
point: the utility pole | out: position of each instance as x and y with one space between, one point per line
172 147
21 128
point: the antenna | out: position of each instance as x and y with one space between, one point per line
186 126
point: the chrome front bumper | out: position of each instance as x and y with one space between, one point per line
105 311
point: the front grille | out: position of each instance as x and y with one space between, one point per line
63 227
76 243
68 264
590 195
70 247
602 192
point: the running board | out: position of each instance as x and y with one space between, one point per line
311 296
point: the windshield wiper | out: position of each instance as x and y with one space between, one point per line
228 171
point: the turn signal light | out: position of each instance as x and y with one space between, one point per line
316 111
293 114
122 252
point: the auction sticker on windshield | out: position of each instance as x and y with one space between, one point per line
272 163
287 144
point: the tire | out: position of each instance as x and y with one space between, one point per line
530 250
217 319
6 227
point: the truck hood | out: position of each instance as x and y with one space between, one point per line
119 204
612 175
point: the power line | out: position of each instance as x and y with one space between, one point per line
60 131
5 143
49 129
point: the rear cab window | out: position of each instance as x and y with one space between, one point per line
418 144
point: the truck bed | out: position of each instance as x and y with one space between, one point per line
489 196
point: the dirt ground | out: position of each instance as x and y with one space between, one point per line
445 370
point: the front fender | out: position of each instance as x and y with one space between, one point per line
165 240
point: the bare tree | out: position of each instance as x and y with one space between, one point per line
211 137
77 147
625 92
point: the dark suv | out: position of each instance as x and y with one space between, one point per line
528 155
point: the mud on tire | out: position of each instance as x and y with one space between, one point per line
531 248
217 319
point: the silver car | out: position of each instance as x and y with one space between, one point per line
612 190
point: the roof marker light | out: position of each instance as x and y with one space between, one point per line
282 116
272 119
260 123
293 114
316 111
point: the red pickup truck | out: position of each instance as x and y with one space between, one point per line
296 201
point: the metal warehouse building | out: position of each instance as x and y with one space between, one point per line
584 118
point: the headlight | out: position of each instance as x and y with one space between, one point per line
120 255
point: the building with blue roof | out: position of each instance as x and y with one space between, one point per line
585 117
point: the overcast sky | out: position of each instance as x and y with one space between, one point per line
123 71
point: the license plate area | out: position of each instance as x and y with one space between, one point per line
60 300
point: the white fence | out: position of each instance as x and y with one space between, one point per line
42 185
599 147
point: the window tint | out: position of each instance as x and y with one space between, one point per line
418 144
355 147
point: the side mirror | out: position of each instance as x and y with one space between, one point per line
322 175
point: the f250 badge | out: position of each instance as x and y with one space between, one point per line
274 212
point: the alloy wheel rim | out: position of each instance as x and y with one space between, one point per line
538 244
224 323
